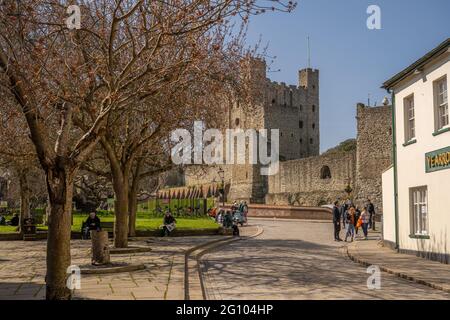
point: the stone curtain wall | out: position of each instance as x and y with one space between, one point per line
374 152
196 175
299 182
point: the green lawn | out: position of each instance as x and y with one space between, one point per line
7 229
144 222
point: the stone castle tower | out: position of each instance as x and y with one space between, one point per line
293 109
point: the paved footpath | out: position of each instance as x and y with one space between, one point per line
298 260
22 270
430 273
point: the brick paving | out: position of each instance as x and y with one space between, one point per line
22 270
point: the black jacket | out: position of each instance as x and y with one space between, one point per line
93 224
169 219
336 215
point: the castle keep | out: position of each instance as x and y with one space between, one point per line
294 110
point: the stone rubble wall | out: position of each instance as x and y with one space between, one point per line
374 153
299 182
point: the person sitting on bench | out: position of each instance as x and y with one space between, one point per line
15 220
168 223
91 223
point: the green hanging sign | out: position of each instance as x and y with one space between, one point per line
437 160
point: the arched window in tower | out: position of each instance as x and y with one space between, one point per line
300 124
311 141
301 141
301 108
325 173
314 108
236 122
313 126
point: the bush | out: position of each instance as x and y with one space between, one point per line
104 213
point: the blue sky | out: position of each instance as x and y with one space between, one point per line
353 60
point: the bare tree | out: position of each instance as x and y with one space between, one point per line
67 82
18 156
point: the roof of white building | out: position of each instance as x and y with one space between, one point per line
418 65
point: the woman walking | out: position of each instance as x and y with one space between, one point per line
357 215
365 220
350 223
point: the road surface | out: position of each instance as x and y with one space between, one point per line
297 260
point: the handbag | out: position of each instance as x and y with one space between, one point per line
359 223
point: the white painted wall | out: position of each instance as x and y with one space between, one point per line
411 162
388 205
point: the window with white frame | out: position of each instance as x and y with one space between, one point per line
419 211
410 122
441 99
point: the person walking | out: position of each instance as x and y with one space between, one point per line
357 215
371 211
343 210
219 217
365 220
245 211
336 221
350 222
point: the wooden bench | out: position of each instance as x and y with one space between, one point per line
107 226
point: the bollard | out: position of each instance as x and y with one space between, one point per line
100 248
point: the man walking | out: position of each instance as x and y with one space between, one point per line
336 221
371 210
343 210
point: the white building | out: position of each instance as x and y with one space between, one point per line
416 189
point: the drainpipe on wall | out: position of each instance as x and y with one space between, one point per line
394 156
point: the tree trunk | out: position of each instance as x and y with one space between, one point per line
24 198
60 191
47 212
121 213
120 175
132 208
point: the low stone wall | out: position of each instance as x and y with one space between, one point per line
290 212
287 212
304 199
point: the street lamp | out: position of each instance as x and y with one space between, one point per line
222 186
